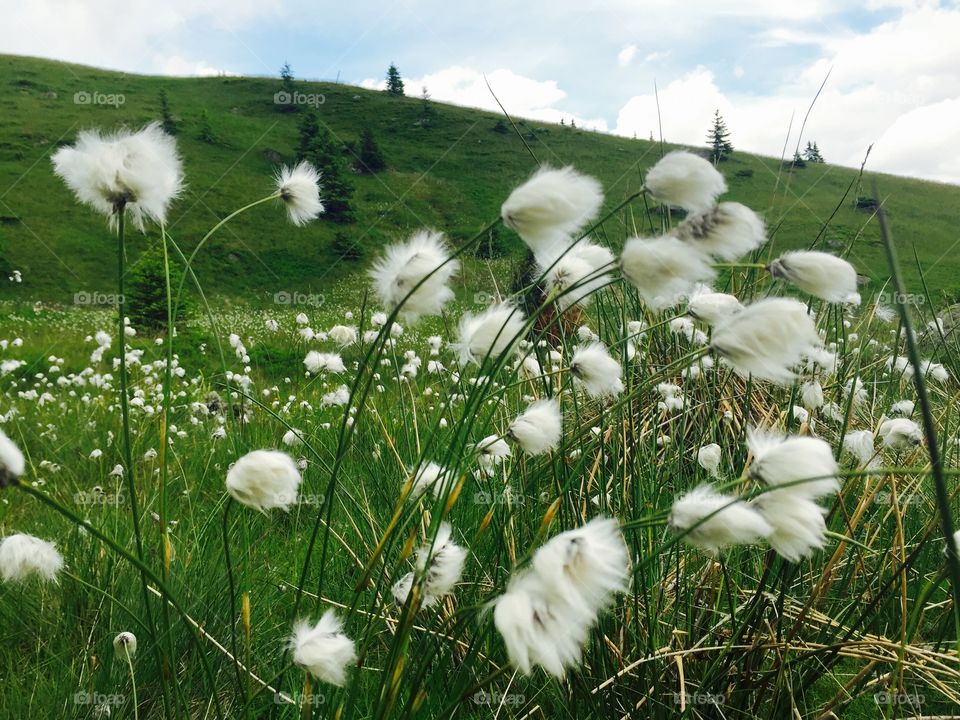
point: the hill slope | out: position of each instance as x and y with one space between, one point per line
450 173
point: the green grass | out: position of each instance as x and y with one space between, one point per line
451 174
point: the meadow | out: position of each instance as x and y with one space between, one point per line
403 402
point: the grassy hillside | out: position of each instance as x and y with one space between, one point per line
450 173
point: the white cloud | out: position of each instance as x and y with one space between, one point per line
923 143
521 96
179 66
626 55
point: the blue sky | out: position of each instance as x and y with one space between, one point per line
894 63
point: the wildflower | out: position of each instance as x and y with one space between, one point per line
796 521
343 335
292 438
708 457
767 339
538 429
713 521
319 362
596 371
489 334
430 477
811 393
299 189
902 407
711 307
820 274
804 463
323 650
137 172
336 398
682 179
859 443
12 463
263 480
663 270
726 231
422 262
490 452
900 433
24 555
577 273
125 646
551 204
441 564
271 325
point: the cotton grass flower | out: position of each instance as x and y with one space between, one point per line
805 464
317 362
422 262
489 334
12 463
713 521
594 370
539 428
727 231
818 273
548 609
664 270
553 203
299 189
264 480
708 457
798 528
577 274
900 433
767 339
441 565
23 555
137 172
711 307
125 646
430 477
491 451
682 179
859 443
323 650
343 335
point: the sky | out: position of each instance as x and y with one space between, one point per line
889 69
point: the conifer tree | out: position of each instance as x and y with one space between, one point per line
394 81
719 139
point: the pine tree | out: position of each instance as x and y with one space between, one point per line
146 294
798 161
426 106
719 139
346 248
286 77
167 120
816 152
206 133
309 129
319 147
394 81
573 123
371 156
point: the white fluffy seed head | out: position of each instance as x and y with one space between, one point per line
859 443
323 649
264 480
441 565
727 231
23 555
12 463
421 262
682 179
805 464
125 646
595 371
798 528
713 521
489 333
299 189
818 273
708 457
767 339
343 335
664 270
811 393
711 307
552 203
138 171
317 362
900 433
578 273
538 429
